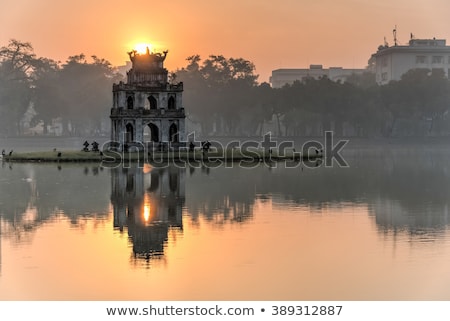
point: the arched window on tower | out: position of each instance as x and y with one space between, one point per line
130 102
129 137
173 133
153 102
171 103
151 133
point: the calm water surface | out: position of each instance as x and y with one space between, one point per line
377 230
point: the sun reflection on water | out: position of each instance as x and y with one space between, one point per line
147 209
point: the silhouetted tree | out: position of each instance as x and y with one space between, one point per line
48 102
420 95
16 67
218 91
85 89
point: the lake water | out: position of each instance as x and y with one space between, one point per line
375 230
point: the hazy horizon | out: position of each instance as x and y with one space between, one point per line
288 34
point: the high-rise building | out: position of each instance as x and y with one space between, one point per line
391 62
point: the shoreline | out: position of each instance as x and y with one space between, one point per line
231 155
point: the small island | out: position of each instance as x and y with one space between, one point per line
148 124
181 155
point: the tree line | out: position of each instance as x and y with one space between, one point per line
222 96
77 92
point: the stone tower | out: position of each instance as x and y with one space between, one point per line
147 110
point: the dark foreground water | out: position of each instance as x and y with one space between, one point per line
376 230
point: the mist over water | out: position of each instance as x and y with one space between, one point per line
376 230
45 143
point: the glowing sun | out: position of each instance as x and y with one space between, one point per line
142 48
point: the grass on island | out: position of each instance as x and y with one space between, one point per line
52 156
90 156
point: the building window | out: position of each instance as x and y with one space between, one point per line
437 59
384 62
154 132
421 59
171 103
173 133
384 76
130 102
129 135
152 102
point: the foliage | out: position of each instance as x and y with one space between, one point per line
216 90
16 66
85 93
77 92
415 105
223 96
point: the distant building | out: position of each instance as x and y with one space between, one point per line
390 63
147 110
281 77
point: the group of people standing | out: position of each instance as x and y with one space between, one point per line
206 145
4 153
94 146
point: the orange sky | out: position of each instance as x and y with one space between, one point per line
271 34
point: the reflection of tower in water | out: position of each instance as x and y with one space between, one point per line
149 204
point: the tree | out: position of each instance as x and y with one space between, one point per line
437 96
365 80
85 93
420 94
261 110
16 66
47 92
218 91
